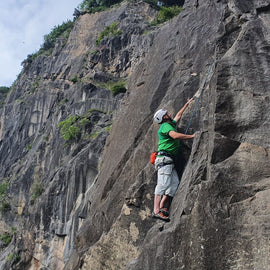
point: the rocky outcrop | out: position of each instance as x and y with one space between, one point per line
96 193
206 221
47 176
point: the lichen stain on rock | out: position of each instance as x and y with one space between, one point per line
148 196
134 231
20 207
145 213
126 210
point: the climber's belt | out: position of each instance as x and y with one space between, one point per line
163 164
163 153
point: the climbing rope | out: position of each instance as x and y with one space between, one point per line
195 107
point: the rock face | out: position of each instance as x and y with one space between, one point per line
86 203
48 177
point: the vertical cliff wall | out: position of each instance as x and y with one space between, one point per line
97 192
220 212
44 178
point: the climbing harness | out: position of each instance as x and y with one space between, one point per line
195 107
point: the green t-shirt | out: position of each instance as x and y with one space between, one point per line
165 142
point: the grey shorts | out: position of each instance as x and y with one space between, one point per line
168 181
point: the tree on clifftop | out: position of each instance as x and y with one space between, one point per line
99 5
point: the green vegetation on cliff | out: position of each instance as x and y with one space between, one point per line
168 9
3 94
69 128
4 89
92 6
37 191
108 31
4 204
165 14
59 31
77 127
6 238
116 87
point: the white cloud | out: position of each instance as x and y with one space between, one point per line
23 24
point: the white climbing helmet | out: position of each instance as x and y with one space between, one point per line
159 115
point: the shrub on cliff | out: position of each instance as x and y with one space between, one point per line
111 30
4 89
165 14
92 6
69 128
37 191
3 94
4 204
118 87
62 30
59 31
6 238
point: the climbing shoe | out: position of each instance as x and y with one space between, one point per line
161 216
164 211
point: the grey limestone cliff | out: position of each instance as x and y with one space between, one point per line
86 203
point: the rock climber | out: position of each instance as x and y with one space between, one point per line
168 147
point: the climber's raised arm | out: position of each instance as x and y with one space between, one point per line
179 114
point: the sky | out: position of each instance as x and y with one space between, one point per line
23 24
